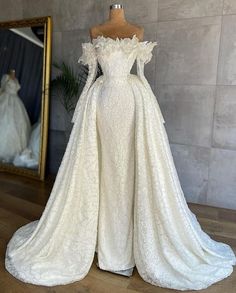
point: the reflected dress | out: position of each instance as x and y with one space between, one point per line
117 191
14 121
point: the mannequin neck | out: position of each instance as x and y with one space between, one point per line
117 15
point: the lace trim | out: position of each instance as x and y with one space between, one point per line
145 51
88 56
107 45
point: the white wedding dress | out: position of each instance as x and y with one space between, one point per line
14 121
117 191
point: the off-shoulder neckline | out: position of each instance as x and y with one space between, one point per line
119 40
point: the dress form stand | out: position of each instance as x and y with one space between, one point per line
117 26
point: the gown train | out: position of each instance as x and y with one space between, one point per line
164 239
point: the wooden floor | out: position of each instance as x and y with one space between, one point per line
22 200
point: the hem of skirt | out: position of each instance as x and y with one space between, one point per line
11 269
125 273
211 282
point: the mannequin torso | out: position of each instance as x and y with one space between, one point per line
117 26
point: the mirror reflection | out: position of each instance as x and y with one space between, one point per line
21 74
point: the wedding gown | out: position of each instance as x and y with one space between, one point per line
14 120
117 191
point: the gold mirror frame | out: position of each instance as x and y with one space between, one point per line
47 23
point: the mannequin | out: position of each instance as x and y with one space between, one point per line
117 26
117 191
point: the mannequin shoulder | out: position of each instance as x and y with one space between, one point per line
95 31
109 29
138 31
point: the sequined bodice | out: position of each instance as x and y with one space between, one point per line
116 56
115 61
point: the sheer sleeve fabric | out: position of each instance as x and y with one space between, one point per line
144 55
88 57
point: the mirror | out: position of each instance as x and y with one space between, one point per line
25 60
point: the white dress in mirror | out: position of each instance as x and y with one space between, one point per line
29 157
117 191
14 121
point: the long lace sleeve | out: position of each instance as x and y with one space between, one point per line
144 56
88 57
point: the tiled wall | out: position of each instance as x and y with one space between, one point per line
193 73
195 82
